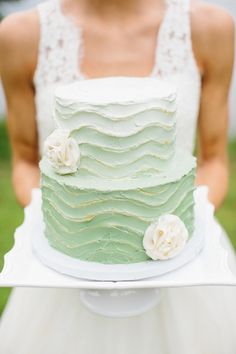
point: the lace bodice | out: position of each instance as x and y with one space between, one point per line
60 49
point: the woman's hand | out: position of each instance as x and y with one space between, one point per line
213 38
18 57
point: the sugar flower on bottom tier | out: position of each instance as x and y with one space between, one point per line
62 152
165 238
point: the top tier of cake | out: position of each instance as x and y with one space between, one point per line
125 127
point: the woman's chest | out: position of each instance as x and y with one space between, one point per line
113 51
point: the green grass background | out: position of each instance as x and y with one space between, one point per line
11 215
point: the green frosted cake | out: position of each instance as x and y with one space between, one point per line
115 187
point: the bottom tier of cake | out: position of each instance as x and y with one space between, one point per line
108 226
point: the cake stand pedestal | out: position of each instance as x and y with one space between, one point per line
214 265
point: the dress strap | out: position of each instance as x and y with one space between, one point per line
175 42
58 46
182 3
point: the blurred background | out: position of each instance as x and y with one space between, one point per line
11 215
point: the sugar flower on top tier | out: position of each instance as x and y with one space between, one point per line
165 238
62 152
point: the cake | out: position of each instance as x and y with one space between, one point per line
115 187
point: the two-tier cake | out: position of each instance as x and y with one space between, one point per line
116 189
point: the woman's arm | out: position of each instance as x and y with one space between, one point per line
214 41
18 38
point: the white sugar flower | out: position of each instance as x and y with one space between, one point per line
62 152
165 238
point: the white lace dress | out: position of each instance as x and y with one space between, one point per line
199 320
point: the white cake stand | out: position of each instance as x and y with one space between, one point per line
212 266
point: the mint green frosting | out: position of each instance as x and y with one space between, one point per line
130 171
108 227
124 130
181 164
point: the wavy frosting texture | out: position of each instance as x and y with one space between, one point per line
108 227
130 171
125 127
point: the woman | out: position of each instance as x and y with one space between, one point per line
191 44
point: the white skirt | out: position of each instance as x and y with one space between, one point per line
199 320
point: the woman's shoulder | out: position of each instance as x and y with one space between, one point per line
210 18
19 36
212 31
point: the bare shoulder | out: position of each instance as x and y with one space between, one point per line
19 36
212 30
210 13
